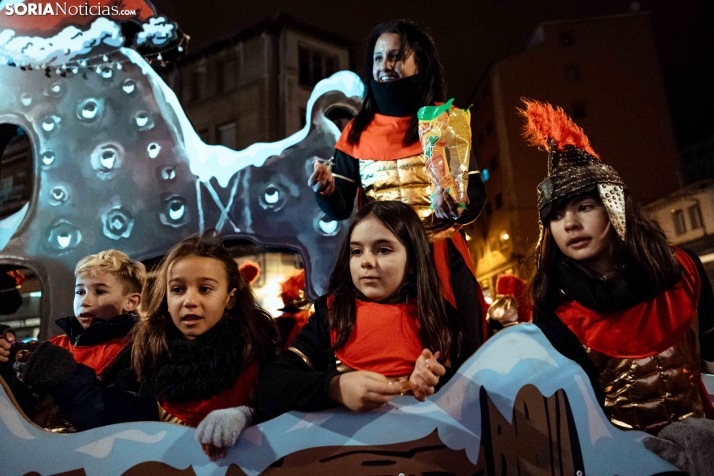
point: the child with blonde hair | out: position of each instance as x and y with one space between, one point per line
96 343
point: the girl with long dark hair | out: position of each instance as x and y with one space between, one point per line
379 157
381 330
610 293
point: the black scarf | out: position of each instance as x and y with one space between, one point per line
398 98
622 291
197 369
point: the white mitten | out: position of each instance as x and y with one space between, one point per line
221 428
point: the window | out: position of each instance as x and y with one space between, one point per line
314 66
16 171
24 315
228 73
227 135
499 201
493 165
572 73
695 216
199 84
678 218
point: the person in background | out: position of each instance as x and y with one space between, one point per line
297 309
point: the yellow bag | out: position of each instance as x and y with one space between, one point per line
445 135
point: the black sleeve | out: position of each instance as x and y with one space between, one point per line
476 192
339 205
87 403
289 383
567 344
705 310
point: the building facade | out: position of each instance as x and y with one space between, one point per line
254 86
687 218
605 73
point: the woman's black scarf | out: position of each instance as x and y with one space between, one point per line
398 98
197 369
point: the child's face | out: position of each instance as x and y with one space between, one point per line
582 231
102 297
197 294
378 260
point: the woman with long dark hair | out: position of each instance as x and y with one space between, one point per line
379 157
610 293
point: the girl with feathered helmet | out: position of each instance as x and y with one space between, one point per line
609 292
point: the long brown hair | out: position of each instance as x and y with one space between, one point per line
645 247
421 285
413 39
257 326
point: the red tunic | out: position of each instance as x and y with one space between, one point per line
385 339
382 139
97 356
643 330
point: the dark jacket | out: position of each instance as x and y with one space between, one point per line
290 384
91 347
64 407
190 371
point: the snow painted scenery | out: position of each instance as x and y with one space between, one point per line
515 407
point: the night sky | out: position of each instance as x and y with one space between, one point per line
472 34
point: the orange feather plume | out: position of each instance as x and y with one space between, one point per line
543 121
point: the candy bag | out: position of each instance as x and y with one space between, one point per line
445 135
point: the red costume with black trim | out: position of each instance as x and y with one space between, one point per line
381 167
101 344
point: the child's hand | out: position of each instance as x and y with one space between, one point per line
426 375
220 430
361 390
7 337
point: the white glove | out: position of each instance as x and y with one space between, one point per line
221 428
